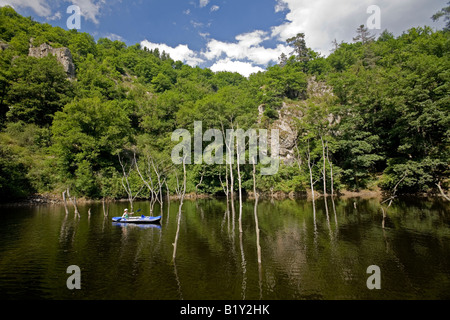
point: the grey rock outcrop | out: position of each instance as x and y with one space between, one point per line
63 55
3 46
288 114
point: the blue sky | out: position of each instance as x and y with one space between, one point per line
235 35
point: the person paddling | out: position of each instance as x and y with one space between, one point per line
125 214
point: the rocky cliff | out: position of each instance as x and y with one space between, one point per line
287 115
63 55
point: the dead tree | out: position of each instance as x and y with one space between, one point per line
181 193
126 183
442 191
65 202
148 181
200 182
391 198
324 171
105 205
74 203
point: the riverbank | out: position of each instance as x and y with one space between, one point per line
48 198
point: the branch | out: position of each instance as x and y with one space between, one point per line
442 191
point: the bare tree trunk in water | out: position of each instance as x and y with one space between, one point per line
65 202
324 171
181 195
442 191
74 203
258 246
312 185
331 172
238 154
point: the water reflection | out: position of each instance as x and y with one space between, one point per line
291 249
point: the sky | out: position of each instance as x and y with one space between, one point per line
242 36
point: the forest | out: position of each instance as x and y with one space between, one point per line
105 133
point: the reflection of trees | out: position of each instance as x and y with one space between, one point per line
258 246
181 193
298 262
244 267
68 231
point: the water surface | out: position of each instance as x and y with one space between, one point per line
286 251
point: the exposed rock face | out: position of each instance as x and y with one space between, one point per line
3 46
287 116
285 124
63 55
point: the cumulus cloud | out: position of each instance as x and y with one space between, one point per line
114 37
214 8
244 68
179 53
281 6
90 9
247 47
39 6
322 21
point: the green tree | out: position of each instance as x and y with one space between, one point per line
87 134
39 88
444 12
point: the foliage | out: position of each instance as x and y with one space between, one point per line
387 121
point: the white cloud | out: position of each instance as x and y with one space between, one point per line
214 8
90 9
281 6
179 53
196 24
203 3
39 6
114 37
244 68
322 21
247 47
56 16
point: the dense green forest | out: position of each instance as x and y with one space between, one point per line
385 123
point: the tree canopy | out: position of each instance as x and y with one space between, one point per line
384 123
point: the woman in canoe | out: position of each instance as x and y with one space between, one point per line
125 214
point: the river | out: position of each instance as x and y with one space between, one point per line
286 251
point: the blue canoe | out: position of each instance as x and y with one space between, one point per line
138 220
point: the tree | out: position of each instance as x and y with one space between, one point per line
444 12
301 51
39 88
363 35
89 130
283 59
161 82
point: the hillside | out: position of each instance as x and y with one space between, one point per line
373 114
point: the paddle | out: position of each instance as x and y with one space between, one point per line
139 210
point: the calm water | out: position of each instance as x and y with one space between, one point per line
303 256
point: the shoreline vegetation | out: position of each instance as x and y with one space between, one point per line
94 119
53 199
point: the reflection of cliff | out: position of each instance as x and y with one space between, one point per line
63 55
